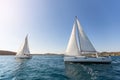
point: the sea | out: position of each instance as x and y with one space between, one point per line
52 67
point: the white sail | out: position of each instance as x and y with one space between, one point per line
72 48
24 48
85 44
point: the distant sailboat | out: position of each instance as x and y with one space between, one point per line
24 52
80 44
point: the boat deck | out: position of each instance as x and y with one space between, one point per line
83 59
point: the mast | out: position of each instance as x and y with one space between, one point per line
78 34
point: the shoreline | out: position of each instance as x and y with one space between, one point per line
3 52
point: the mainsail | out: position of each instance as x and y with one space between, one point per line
84 45
24 48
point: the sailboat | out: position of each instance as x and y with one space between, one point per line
79 44
24 52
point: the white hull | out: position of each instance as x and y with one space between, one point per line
83 59
23 57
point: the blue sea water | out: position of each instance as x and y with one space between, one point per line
47 67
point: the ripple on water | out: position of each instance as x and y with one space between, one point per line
54 68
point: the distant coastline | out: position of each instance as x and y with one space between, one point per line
4 52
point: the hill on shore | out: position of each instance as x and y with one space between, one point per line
4 52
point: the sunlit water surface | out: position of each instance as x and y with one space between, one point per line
52 67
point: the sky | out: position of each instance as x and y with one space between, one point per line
49 23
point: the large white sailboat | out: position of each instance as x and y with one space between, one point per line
80 44
24 52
